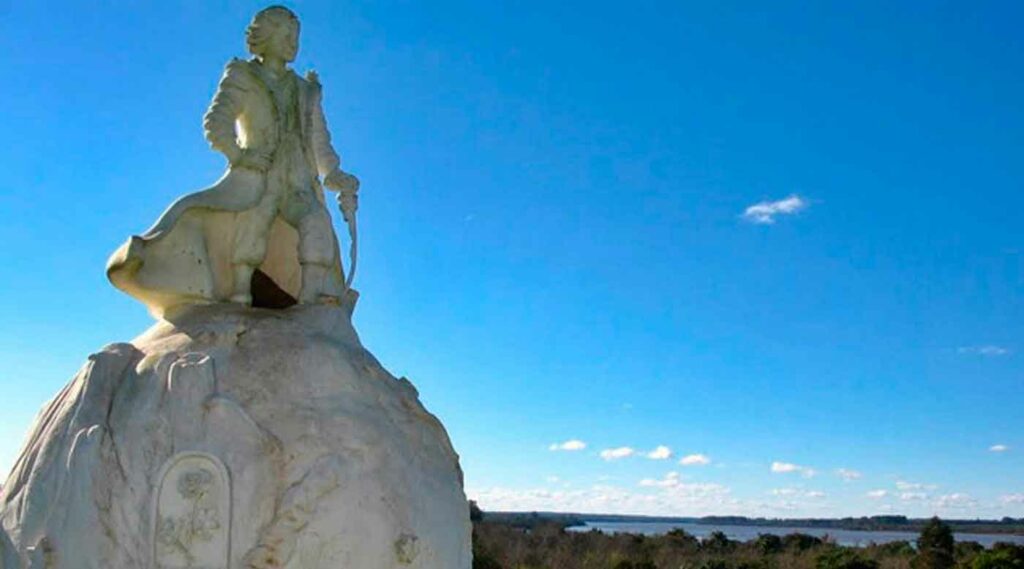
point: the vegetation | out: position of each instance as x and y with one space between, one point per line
547 545
935 547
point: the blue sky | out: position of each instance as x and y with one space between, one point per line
784 243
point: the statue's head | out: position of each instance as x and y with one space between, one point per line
274 30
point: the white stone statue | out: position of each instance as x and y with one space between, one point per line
267 212
230 436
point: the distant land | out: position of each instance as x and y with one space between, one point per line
869 523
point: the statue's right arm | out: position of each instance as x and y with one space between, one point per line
219 121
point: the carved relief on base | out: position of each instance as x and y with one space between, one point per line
192 520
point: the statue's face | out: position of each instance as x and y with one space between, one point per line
285 41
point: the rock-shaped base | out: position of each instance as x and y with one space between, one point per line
237 438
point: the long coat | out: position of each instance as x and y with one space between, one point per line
185 257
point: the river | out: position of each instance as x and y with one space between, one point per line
747 533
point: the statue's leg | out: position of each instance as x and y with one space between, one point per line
316 255
250 245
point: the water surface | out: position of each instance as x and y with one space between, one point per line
747 533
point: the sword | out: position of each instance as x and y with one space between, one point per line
353 232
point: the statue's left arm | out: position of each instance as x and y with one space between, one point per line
328 164
327 160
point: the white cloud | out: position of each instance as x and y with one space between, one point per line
848 475
913 496
697 459
784 467
764 213
669 499
660 453
788 467
570 445
1012 499
553 479
671 479
955 501
988 350
877 494
904 485
998 448
617 453
797 492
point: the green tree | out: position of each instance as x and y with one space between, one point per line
714 564
800 542
1001 556
768 543
681 540
625 564
935 546
897 549
842 558
717 542
475 513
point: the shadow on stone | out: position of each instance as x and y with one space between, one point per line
266 293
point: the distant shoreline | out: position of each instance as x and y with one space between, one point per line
1008 526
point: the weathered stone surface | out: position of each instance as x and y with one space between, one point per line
236 437
8 555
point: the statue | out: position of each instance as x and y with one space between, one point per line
226 436
266 216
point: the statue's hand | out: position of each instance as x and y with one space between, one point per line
347 187
341 181
349 201
253 159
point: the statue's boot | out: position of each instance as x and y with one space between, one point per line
243 284
313 278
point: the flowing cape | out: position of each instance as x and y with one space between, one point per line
185 257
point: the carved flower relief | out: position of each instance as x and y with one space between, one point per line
166 532
197 524
205 523
195 484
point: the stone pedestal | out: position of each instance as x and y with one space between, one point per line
234 438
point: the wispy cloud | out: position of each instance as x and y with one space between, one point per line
670 496
697 459
617 453
848 475
998 448
987 351
903 485
913 496
671 479
764 213
955 501
1012 499
569 445
797 493
877 494
660 453
784 467
788 467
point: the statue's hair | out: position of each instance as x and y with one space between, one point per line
264 23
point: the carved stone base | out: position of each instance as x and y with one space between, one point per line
236 438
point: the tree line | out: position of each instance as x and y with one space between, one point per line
548 545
